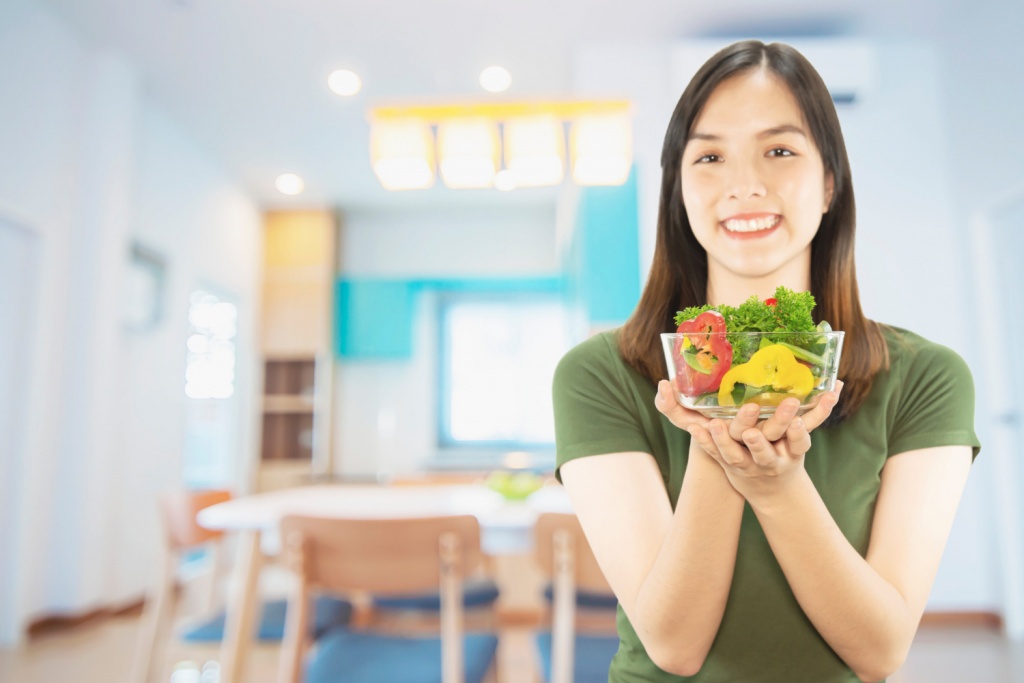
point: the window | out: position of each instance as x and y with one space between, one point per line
498 355
210 368
212 413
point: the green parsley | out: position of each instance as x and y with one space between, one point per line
791 313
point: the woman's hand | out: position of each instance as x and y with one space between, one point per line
669 406
760 459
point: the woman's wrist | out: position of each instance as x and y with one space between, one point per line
700 458
777 498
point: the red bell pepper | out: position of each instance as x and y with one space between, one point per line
706 352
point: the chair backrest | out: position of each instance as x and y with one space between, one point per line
564 555
555 528
178 512
380 556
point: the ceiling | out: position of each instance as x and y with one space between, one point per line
247 78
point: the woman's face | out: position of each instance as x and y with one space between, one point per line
753 182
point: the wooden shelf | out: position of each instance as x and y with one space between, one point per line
287 403
299 275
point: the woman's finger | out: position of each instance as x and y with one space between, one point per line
798 439
776 425
814 417
668 405
761 449
732 451
702 437
746 417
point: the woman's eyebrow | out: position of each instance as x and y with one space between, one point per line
777 130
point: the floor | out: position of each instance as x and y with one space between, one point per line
100 653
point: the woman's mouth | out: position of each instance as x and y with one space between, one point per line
750 228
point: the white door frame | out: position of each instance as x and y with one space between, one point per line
1004 423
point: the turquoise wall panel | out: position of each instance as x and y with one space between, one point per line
607 254
374 318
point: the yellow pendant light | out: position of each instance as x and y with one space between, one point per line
469 152
535 150
601 147
402 152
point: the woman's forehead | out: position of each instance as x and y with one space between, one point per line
753 104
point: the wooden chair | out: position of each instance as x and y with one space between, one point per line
381 557
180 533
563 554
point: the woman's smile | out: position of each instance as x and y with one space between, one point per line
751 226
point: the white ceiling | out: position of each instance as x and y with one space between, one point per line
247 78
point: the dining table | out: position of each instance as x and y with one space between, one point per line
505 530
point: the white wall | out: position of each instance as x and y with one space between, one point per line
385 411
913 269
981 101
88 166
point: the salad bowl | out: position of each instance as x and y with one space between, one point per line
715 373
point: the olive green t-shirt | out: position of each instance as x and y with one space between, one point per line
925 399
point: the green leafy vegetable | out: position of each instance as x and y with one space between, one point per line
790 313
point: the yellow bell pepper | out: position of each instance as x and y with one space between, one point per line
773 366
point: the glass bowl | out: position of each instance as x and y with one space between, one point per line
715 373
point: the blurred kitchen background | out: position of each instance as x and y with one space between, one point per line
175 311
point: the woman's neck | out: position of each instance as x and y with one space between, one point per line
728 288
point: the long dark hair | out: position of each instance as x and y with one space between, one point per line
679 272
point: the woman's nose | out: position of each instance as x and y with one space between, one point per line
746 182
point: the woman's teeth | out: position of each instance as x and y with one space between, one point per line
734 225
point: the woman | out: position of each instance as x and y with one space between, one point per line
793 549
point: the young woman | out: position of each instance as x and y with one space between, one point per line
793 549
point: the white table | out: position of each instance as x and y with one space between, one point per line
505 529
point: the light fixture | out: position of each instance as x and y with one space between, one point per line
289 183
535 150
532 143
469 152
601 148
344 82
495 79
402 152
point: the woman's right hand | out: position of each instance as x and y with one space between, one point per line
669 406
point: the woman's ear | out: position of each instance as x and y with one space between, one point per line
830 183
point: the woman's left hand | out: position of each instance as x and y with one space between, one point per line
761 459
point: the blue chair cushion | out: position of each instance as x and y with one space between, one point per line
363 657
327 612
587 599
591 660
475 593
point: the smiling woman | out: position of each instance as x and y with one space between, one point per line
794 548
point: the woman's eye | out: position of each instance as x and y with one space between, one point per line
708 158
780 152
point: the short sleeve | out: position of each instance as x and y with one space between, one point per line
936 405
594 414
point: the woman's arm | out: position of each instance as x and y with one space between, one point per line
868 609
670 571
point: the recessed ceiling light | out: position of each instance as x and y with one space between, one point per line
495 79
345 83
289 183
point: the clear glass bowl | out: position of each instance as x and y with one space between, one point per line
715 373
